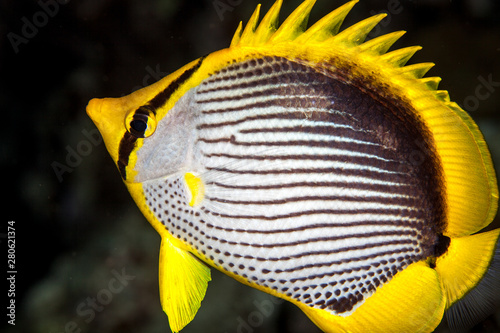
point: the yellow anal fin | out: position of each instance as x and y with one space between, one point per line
413 301
183 284
470 271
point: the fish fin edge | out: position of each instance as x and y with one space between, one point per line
470 271
467 166
183 283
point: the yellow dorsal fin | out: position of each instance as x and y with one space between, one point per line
416 71
183 284
328 26
442 95
295 24
398 58
269 24
431 82
356 34
248 33
381 44
237 35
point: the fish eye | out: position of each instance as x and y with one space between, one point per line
141 123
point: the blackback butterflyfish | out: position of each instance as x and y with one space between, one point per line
316 166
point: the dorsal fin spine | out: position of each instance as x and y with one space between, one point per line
247 37
416 71
295 24
269 24
431 82
381 44
328 26
356 34
399 57
237 35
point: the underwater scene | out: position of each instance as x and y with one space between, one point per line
206 166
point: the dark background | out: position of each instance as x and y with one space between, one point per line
77 227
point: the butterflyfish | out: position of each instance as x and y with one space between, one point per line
317 167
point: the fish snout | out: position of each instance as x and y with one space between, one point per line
94 109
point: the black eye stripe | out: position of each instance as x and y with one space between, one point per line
128 141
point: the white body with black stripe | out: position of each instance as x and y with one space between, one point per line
299 197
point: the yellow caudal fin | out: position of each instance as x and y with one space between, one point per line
470 274
183 283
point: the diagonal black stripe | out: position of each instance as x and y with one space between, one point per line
160 99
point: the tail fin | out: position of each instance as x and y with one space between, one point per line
470 274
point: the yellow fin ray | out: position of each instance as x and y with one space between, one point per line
416 71
237 35
442 95
356 34
465 263
295 24
183 284
399 57
467 167
268 25
328 26
249 31
431 82
381 44
471 277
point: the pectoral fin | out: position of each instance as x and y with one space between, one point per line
183 284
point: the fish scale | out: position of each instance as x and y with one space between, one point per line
358 244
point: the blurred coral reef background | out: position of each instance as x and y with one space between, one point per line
86 258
